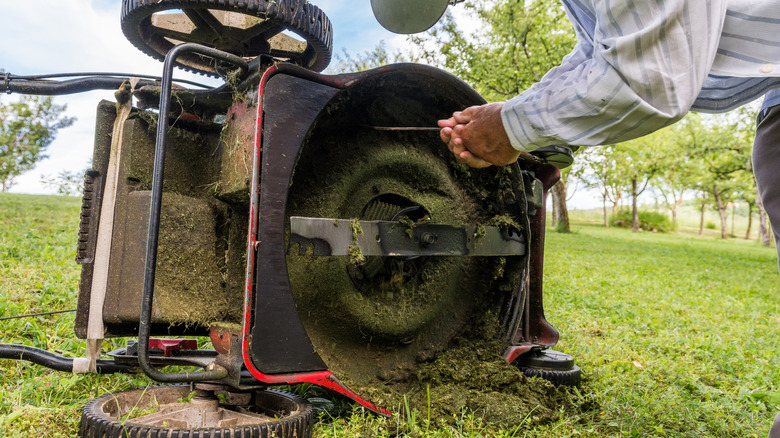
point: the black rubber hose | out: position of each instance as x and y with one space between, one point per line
55 88
55 362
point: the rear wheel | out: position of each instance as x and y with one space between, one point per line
245 28
172 411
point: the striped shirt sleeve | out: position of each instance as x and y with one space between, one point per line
642 70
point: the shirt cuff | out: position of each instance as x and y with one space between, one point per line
521 132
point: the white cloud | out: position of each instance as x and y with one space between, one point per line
53 36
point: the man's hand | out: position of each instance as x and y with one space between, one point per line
476 136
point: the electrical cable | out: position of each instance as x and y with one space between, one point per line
37 314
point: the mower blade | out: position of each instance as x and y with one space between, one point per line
389 238
403 128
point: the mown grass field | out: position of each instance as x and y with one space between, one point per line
677 336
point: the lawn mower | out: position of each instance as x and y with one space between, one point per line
313 226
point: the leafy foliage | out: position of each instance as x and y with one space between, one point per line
516 43
346 63
66 182
27 127
648 221
709 154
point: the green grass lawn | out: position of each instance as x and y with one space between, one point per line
677 336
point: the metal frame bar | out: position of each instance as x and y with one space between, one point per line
213 372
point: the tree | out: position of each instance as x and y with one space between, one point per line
725 153
702 209
27 127
559 198
638 161
66 182
516 44
346 63
597 169
679 167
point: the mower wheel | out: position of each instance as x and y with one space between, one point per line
245 28
170 412
551 365
570 377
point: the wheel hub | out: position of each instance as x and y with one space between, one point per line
382 277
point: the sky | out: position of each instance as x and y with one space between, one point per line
56 36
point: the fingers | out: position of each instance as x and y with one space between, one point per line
458 149
447 123
467 115
452 134
445 134
471 160
459 117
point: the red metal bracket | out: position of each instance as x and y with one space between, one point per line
168 346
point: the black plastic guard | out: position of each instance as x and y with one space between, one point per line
279 342
296 103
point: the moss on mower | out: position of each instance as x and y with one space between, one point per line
356 256
397 339
201 253
189 282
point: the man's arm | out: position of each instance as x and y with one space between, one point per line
643 71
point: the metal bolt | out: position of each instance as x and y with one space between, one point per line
427 239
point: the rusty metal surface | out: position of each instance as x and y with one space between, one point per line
237 141
222 337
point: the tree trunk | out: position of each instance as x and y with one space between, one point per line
750 221
678 202
604 206
763 229
724 232
701 218
554 196
616 204
634 210
559 207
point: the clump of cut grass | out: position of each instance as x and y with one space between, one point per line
676 336
356 256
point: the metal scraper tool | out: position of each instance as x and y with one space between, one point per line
404 128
